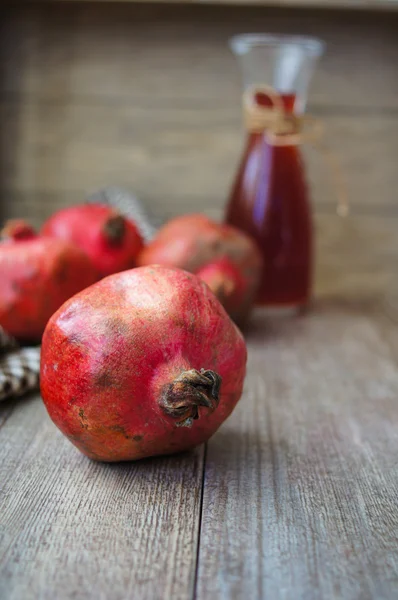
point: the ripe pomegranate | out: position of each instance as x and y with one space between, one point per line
142 363
37 276
111 241
195 242
227 282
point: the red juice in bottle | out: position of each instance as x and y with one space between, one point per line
270 201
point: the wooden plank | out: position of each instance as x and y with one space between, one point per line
87 98
72 528
356 257
320 4
301 484
174 159
179 56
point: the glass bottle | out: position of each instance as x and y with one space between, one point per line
269 198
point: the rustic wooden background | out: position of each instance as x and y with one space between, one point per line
295 498
148 97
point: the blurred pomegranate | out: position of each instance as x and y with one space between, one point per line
37 275
111 241
227 259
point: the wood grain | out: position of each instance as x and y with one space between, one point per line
356 257
71 528
64 154
148 97
301 483
345 4
178 56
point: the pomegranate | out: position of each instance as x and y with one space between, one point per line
194 242
37 276
111 241
227 282
142 363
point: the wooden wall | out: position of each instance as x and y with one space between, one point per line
148 97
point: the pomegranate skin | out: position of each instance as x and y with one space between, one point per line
111 241
143 363
229 285
192 242
37 276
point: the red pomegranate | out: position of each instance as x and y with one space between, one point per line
194 242
227 282
110 241
142 363
37 276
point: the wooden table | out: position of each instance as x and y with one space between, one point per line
294 498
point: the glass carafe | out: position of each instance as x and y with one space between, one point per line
269 198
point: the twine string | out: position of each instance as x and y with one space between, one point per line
282 128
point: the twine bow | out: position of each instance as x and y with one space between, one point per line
282 128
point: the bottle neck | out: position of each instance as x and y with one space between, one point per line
270 113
